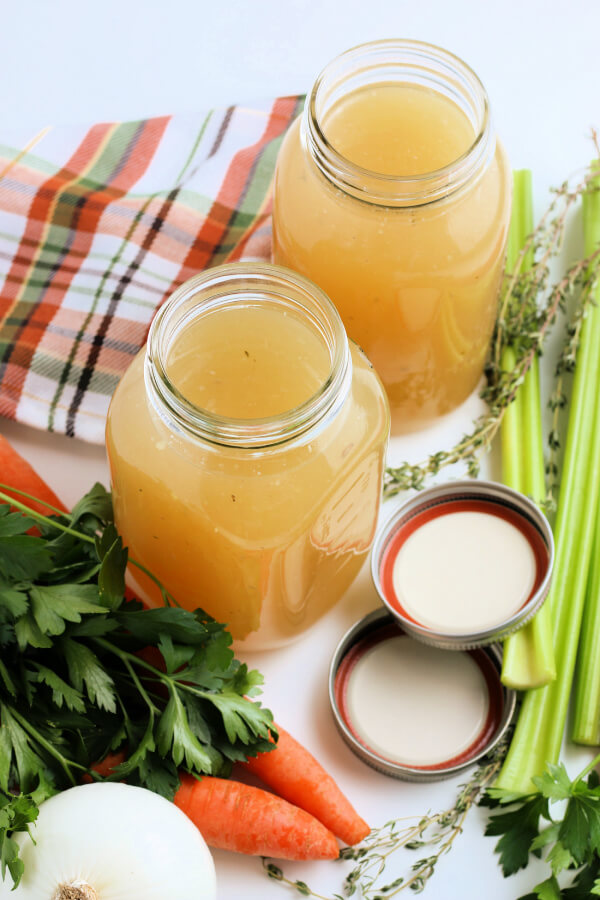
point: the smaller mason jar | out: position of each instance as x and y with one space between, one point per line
392 193
246 446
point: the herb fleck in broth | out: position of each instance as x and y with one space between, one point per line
247 362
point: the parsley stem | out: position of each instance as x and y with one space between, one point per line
591 765
14 490
139 685
168 599
126 657
39 517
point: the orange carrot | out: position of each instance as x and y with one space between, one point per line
235 816
16 472
297 776
106 766
231 815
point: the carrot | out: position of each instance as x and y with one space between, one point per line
235 816
297 777
300 828
17 472
106 766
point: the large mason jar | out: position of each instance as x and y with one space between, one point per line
246 446
393 195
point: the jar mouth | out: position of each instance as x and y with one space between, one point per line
224 287
399 61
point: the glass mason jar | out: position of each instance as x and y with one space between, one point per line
246 447
393 195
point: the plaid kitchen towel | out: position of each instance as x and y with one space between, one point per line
98 225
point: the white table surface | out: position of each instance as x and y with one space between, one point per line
69 61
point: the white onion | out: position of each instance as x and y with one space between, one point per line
113 842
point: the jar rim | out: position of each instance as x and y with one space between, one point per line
223 286
402 190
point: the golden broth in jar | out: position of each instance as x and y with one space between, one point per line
393 195
246 450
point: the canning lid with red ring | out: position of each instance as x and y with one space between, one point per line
464 564
414 711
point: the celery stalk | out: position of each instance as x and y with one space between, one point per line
528 659
538 734
586 717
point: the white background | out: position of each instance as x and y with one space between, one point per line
68 61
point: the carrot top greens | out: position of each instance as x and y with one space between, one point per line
77 682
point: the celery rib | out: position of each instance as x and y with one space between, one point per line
539 731
528 659
586 716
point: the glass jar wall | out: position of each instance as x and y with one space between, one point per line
393 195
246 447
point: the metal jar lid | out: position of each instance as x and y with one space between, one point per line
357 643
486 496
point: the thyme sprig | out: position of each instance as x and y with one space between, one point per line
528 308
434 832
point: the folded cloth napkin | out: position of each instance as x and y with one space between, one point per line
98 225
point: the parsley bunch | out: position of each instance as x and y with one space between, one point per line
569 842
85 672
